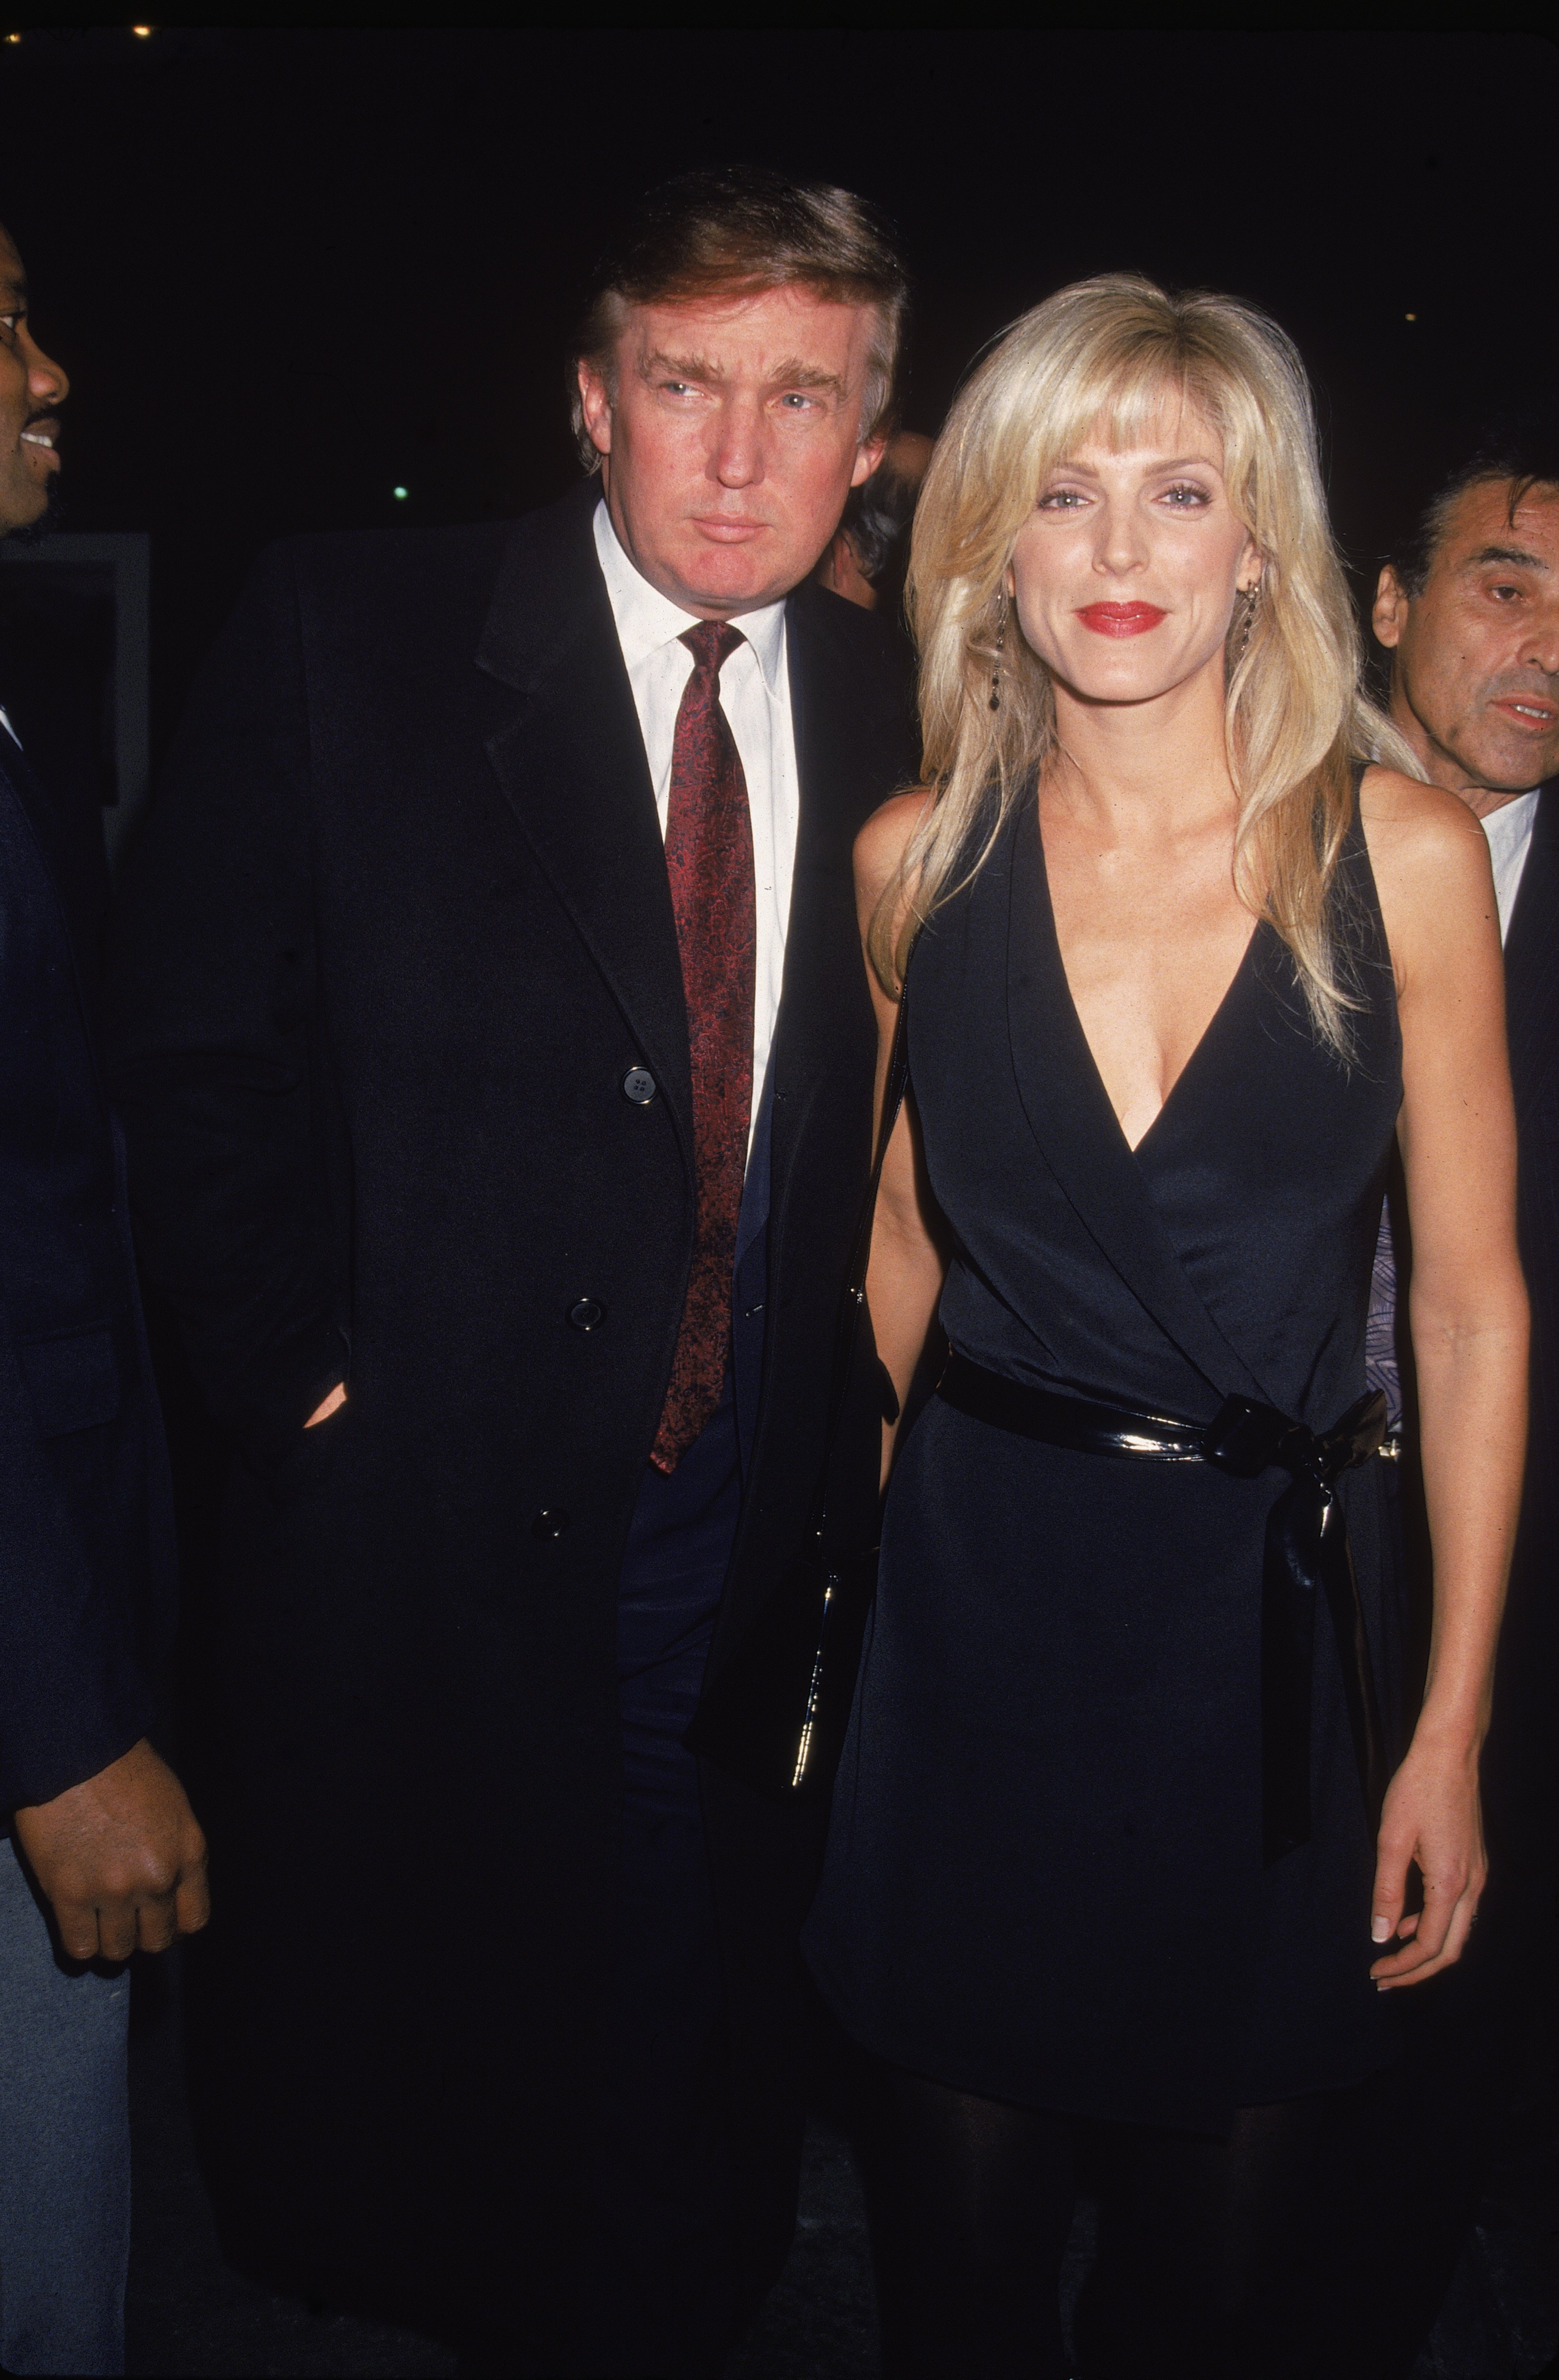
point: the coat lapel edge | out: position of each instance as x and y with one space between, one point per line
570 763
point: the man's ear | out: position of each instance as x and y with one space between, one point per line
596 399
1390 615
867 458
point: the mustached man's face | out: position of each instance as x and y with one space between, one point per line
31 389
1475 654
730 434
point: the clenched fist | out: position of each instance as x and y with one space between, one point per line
121 1858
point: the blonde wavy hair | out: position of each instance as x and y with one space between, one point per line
1101 356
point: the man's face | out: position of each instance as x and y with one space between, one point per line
32 388
1475 658
730 440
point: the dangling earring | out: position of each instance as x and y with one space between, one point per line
1001 646
1252 596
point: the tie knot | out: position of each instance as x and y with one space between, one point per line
711 643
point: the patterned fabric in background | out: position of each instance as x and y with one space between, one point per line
1380 1367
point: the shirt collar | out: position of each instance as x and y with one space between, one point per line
647 620
1514 812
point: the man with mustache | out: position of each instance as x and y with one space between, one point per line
497 1061
100 1853
1469 612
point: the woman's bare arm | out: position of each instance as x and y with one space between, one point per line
904 1277
1467 1312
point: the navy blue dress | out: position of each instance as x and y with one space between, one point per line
1045 1880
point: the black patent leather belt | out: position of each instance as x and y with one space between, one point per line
1307 1551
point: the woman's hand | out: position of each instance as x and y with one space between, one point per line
1467 1308
1432 1821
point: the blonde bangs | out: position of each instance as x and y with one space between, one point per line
1101 359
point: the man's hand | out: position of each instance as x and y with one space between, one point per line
121 1859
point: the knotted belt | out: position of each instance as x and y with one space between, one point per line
1307 1552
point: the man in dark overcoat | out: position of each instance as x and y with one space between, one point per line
497 1057
99 1852
1468 611
1471 617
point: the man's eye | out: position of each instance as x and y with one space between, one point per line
1505 594
677 387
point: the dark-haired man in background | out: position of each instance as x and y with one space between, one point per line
497 1059
100 1853
1469 614
868 555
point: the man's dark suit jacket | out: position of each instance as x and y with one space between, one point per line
87 1568
1522 1778
399 933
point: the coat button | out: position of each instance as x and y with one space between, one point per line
549 1525
587 1313
638 1085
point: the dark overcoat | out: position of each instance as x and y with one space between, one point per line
397 935
1522 1760
87 1560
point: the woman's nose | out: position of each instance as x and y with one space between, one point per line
1121 542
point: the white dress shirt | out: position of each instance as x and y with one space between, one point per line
1509 829
756 698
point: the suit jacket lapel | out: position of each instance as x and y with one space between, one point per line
48 834
570 762
1070 1116
1531 957
61 868
825 985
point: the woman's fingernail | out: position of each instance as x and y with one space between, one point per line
1380 1929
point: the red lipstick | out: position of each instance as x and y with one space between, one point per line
1120 619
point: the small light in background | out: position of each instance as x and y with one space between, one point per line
13 37
400 495
1410 317
143 33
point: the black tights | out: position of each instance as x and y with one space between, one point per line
1212 2255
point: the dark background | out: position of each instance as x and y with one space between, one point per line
290 270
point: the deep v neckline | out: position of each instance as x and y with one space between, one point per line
1133 1148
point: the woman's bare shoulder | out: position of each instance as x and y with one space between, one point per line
1430 857
1406 806
879 846
1413 828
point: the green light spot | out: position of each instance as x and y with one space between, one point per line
400 495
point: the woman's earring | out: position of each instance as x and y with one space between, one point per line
1000 647
1252 596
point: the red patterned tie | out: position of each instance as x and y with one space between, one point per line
709 860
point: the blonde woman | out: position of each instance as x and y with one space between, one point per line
1125 1829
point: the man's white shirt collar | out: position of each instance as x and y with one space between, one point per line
647 619
1509 834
